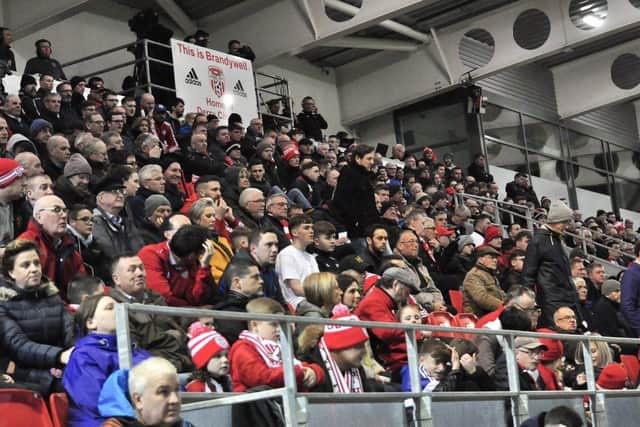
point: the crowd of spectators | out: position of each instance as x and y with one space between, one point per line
105 201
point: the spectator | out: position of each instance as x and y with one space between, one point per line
310 121
35 187
480 225
546 265
322 292
138 401
324 246
28 97
12 113
513 275
210 355
482 292
354 201
238 49
152 182
43 63
244 284
160 335
48 230
11 190
293 264
94 358
6 54
250 212
179 269
277 217
520 187
477 169
73 186
351 291
30 163
80 227
157 209
198 160
528 353
161 128
596 277
376 245
58 152
256 359
28 301
608 318
380 305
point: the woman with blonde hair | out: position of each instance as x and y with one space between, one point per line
321 290
601 356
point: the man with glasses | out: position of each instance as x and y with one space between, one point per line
48 230
250 211
113 234
68 112
527 351
80 226
547 267
277 217
152 181
94 124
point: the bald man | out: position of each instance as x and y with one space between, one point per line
30 162
48 230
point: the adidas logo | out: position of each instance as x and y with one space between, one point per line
192 78
238 89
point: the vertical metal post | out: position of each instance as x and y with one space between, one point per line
146 64
529 219
289 399
422 404
588 366
122 336
520 402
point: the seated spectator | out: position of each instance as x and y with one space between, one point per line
80 227
528 352
324 246
493 238
27 302
293 264
81 288
256 358
250 211
210 355
380 305
351 291
198 161
73 186
480 225
376 245
513 274
236 181
277 216
179 269
482 292
584 309
176 189
551 363
322 293
608 320
565 322
94 358
601 357
161 128
244 284
137 401
57 152
211 215
152 182
464 260
520 186
614 377
558 416
48 230
157 209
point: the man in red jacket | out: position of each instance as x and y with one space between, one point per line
179 269
48 229
380 305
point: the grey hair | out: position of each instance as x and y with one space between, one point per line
271 198
246 194
106 136
153 366
91 146
145 139
146 171
54 140
197 209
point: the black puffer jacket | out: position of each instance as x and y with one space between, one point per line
354 200
35 327
546 269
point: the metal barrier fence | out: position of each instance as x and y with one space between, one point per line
297 405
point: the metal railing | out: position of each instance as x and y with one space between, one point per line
295 404
460 197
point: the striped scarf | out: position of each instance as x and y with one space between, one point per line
270 351
350 382
285 228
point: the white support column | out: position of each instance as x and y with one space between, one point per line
586 84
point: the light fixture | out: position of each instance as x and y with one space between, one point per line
593 21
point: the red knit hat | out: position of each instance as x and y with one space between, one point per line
555 349
204 343
491 233
613 377
10 171
340 337
289 152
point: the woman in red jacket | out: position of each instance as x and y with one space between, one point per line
256 358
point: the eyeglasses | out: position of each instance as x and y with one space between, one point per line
565 318
409 242
257 201
119 191
56 209
86 219
532 353
281 204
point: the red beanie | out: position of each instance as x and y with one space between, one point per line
555 349
339 337
613 377
10 171
491 233
289 152
204 343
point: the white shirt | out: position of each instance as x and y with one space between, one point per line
292 263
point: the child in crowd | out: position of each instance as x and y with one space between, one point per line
434 363
410 314
256 358
324 246
210 355
93 359
81 288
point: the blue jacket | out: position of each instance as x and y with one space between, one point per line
630 303
406 380
94 358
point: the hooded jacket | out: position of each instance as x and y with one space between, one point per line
354 201
59 263
94 358
35 328
546 269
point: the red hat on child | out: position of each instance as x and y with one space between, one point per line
555 349
491 233
339 337
204 343
613 377
289 152
10 171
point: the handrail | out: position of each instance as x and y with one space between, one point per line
101 53
539 223
295 404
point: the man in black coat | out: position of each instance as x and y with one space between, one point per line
527 352
244 283
546 266
310 121
43 63
608 320
198 161
520 186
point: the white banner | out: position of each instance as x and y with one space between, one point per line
213 82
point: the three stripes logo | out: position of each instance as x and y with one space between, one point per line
192 78
238 89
